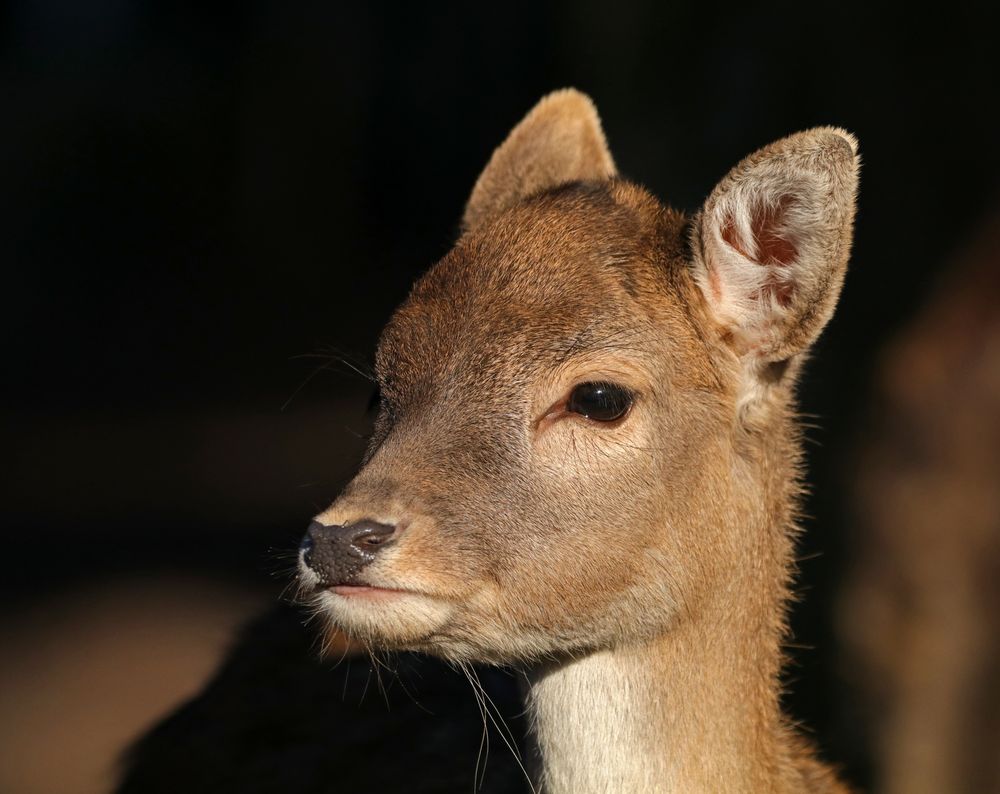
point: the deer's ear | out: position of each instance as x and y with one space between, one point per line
771 243
559 141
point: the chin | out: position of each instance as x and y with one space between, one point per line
382 618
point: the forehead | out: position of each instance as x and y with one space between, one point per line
566 271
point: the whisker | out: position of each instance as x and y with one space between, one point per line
331 357
484 739
512 742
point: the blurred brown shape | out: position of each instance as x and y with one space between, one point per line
921 612
85 673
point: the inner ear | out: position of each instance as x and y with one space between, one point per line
769 243
772 241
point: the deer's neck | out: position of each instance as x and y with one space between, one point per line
694 711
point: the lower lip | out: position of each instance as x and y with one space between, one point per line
364 590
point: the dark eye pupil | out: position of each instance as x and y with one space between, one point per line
602 402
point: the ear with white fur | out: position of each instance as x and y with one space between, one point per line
559 141
771 243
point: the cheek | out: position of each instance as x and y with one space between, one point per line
574 511
601 475
589 509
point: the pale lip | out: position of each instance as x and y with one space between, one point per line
368 591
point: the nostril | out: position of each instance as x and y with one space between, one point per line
337 553
370 535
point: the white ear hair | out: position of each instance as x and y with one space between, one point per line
773 239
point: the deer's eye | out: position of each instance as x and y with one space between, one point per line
600 401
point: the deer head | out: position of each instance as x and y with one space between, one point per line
584 438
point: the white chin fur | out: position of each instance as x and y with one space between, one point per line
392 621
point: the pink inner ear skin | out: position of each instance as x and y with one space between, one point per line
767 225
772 249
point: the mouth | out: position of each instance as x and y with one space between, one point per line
368 591
381 615
376 610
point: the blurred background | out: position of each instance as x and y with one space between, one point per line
203 202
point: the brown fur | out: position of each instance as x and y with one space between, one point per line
638 569
559 141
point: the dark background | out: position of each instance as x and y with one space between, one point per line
196 199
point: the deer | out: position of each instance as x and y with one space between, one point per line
586 461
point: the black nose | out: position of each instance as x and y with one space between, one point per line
338 553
